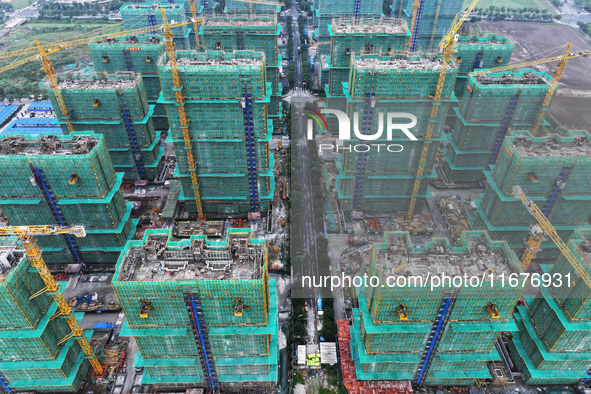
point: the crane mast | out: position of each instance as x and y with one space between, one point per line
447 46
549 230
25 234
180 101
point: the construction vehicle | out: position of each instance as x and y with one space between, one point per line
319 306
548 229
25 234
558 71
446 44
493 311
145 308
402 313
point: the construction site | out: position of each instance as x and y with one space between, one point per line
160 210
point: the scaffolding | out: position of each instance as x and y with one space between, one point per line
35 352
384 180
415 333
369 36
65 180
553 170
141 15
490 108
553 343
117 106
227 101
219 290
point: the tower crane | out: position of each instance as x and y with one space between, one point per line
180 104
558 71
548 229
43 55
25 234
446 44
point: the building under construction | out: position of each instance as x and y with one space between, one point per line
36 352
429 20
443 335
116 106
553 344
553 172
493 104
479 52
203 312
141 15
240 31
66 180
385 36
385 180
133 54
327 10
226 99
251 7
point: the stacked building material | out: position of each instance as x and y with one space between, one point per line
66 180
226 105
116 106
202 312
553 172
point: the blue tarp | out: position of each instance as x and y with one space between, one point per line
7 112
33 126
40 106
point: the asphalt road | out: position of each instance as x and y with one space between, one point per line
309 234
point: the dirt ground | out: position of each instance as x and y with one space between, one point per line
540 40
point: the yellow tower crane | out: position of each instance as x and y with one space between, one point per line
26 233
180 104
43 55
446 44
558 71
549 230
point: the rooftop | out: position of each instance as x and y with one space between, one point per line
240 20
47 145
158 259
130 40
369 26
510 78
186 61
398 62
476 260
154 6
96 81
553 146
486 39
